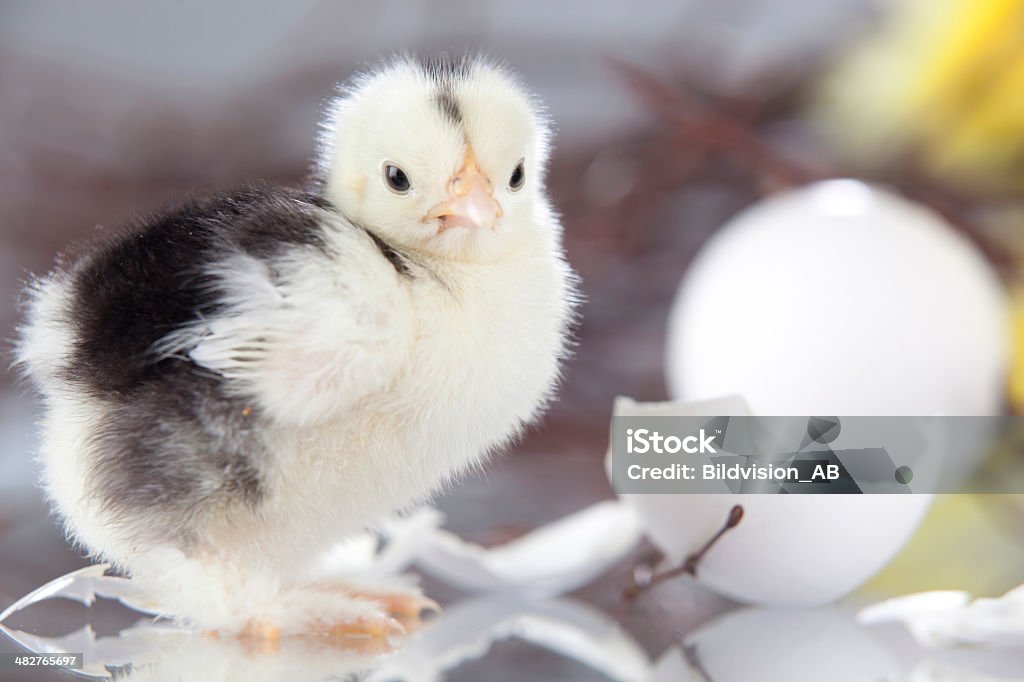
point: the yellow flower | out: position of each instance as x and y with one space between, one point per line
944 81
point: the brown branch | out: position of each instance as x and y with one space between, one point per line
692 562
697 124
705 126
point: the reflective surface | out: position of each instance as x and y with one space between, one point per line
498 637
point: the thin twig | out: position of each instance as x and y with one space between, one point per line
698 124
692 562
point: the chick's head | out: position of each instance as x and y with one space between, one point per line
445 158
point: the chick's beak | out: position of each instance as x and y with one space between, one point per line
470 201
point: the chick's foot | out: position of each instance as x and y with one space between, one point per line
409 607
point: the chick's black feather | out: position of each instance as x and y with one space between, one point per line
171 440
445 72
133 290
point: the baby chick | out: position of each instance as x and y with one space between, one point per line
233 386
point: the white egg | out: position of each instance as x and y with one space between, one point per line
844 299
834 299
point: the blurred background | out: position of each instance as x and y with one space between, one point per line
672 117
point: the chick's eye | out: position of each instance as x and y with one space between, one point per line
396 178
518 178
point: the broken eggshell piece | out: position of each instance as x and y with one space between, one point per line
788 550
551 560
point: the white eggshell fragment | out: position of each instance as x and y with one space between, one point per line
789 550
